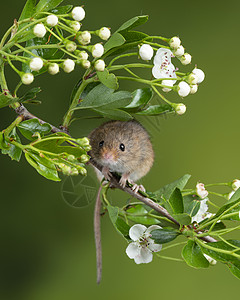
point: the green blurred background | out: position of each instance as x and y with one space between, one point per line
47 246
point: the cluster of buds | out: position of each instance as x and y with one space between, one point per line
179 51
83 38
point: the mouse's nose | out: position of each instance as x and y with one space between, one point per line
108 156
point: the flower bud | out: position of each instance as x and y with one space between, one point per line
78 13
211 260
104 33
53 68
75 25
52 20
81 54
84 158
146 52
168 83
84 37
179 51
183 89
82 171
68 65
174 42
71 158
70 46
99 65
27 78
39 30
201 191
36 64
180 109
193 88
192 78
200 75
85 63
97 50
74 172
235 184
83 142
186 59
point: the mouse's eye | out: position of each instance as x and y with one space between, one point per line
122 147
101 144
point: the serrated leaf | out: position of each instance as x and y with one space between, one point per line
193 256
6 100
233 263
134 22
138 214
46 5
183 219
140 98
109 80
164 235
30 95
155 110
42 166
191 205
28 10
115 40
14 152
114 114
176 201
134 36
30 127
121 226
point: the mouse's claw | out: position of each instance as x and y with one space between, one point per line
106 173
137 188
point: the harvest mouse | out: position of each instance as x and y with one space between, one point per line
123 147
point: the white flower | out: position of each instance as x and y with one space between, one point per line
104 33
142 246
146 52
39 30
193 88
71 46
167 83
186 59
27 78
52 20
203 213
180 109
235 184
85 63
201 191
183 89
97 50
230 195
200 75
192 78
75 25
84 37
68 65
163 68
36 64
99 65
78 13
174 42
82 54
53 68
179 51
211 260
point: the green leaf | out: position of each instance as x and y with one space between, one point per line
42 166
134 36
14 152
46 5
138 214
233 263
134 22
183 219
164 235
6 100
140 97
121 226
109 80
4 145
115 40
30 127
191 206
114 114
176 201
193 256
61 10
167 190
31 94
155 110
28 10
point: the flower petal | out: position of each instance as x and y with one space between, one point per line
144 257
154 247
152 227
133 250
136 231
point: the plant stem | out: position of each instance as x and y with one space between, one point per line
9 129
121 56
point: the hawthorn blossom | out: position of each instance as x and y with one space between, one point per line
78 13
180 109
104 33
201 191
235 184
146 52
143 246
203 213
52 20
36 64
175 42
27 78
39 30
200 75
183 89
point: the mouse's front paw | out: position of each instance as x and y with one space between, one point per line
106 173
